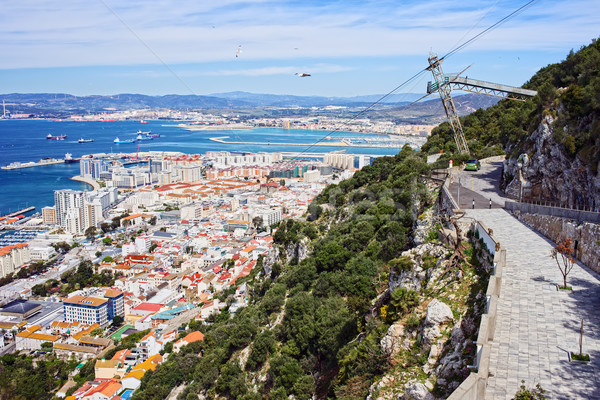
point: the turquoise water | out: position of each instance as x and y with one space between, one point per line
25 141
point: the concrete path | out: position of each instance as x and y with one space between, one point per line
537 325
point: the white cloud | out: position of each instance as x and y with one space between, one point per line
44 33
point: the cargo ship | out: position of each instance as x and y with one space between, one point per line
60 137
69 159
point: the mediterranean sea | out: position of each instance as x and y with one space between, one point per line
25 140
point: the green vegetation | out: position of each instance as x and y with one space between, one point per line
310 324
22 379
567 92
530 394
580 357
73 280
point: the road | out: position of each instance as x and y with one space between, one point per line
478 188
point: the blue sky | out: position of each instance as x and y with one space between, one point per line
157 47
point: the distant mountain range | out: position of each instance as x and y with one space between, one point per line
396 106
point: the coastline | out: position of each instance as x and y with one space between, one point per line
91 182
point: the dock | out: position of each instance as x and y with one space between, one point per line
43 161
22 211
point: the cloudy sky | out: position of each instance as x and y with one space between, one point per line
350 47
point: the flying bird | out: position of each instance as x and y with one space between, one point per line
302 74
239 50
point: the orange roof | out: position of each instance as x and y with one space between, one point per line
137 374
107 388
121 354
85 300
249 249
131 217
112 293
194 337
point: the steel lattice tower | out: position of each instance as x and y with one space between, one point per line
441 85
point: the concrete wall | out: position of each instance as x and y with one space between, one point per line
473 388
587 216
586 234
486 236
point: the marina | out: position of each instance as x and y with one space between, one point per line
9 237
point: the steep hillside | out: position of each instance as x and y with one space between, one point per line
555 136
343 307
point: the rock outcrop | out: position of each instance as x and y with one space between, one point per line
547 174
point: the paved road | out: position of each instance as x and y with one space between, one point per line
537 325
480 186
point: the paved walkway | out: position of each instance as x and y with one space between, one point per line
537 325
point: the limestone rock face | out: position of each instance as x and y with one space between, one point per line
392 341
412 278
416 391
549 175
438 313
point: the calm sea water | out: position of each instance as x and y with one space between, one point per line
25 140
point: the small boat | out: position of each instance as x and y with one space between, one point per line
60 137
143 122
117 140
82 140
148 134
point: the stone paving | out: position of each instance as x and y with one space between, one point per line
537 325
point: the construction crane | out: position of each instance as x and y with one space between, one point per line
443 85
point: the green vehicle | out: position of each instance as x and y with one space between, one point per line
473 165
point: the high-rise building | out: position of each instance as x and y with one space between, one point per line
69 210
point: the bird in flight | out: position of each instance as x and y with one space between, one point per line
302 74
239 50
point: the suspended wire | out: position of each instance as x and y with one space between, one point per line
476 23
491 27
450 53
147 46
337 128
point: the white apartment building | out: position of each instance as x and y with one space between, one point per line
142 244
188 173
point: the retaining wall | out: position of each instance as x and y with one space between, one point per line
473 388
578 215
585 235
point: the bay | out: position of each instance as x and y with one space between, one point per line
25 140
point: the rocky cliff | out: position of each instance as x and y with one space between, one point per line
546 174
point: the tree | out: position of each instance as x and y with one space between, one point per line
117 320
90 233
257 222
108 259
105 227
563 254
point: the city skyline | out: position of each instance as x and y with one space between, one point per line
350 48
